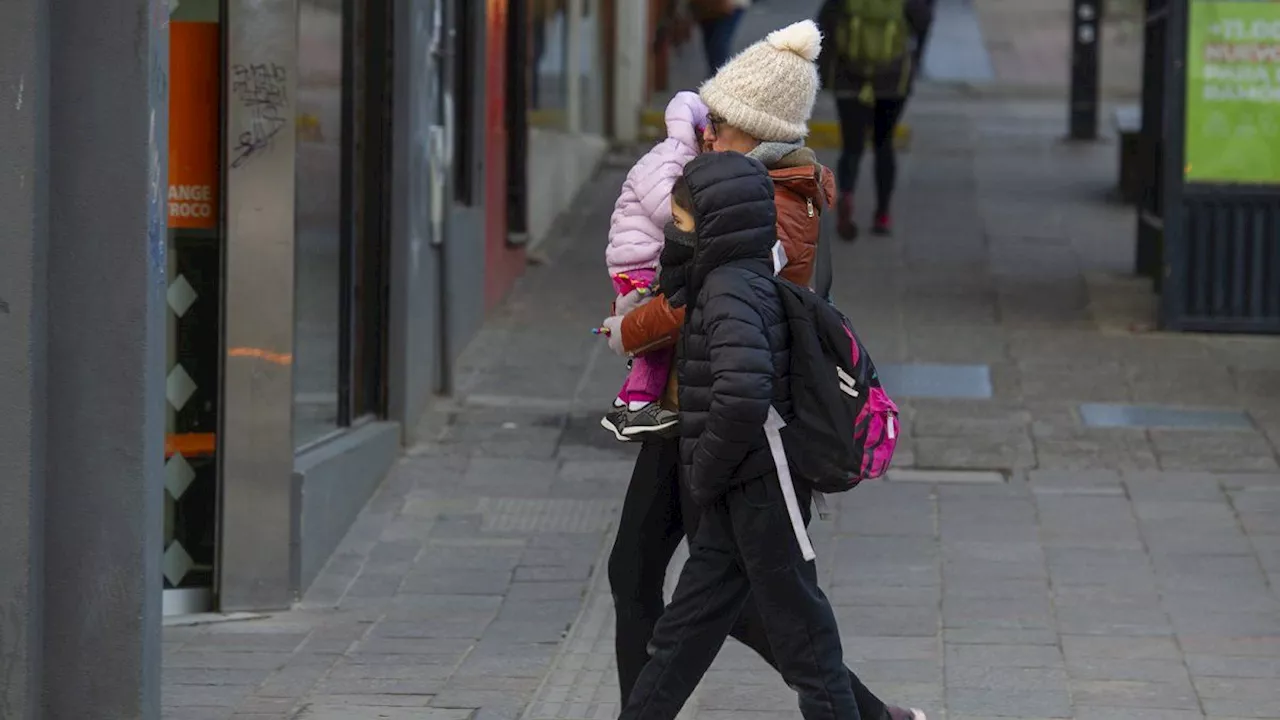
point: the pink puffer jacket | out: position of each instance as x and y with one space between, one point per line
644 207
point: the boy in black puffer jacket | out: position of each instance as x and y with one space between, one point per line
732 363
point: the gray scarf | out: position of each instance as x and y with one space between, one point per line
769 153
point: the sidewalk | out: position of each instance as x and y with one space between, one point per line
1019 563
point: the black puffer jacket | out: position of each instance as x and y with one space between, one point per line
732 356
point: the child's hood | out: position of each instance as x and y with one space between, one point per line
734 213
686 116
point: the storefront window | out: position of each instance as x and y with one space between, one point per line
549 53
319 219
342 186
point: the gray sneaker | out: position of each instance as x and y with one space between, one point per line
615 420
650 419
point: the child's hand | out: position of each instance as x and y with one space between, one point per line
632 300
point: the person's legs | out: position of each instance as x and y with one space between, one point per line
855 120
796 615
648 376
887 113
717 39
649 531
622 285
710 594
750 631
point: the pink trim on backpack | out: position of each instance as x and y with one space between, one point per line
877 424
882 433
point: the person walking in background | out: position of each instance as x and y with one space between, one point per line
868 64
759 104
718 20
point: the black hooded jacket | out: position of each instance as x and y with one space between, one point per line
732 356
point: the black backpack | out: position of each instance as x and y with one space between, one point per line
844 427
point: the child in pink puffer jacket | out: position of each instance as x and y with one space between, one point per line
636 233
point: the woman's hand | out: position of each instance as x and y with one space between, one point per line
613 331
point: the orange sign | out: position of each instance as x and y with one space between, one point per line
193 124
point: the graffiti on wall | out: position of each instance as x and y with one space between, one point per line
262 89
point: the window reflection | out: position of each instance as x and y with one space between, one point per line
549 53
319 218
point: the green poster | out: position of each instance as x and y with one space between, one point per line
1233 92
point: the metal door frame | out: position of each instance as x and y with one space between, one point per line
256 565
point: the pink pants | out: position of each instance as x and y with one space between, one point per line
649 372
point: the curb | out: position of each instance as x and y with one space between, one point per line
823 134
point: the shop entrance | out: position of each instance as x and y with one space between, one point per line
194 295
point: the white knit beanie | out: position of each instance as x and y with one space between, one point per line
768 90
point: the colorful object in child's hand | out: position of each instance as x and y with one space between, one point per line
600 331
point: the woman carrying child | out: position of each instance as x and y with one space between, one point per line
760 103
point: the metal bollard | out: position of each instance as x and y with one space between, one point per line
1086 32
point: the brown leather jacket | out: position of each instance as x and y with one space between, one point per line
803 188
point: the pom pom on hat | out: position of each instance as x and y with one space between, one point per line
802 38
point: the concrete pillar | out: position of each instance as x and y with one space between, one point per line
82 139
23 219
573 64
631 53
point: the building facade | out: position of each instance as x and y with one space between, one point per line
244 242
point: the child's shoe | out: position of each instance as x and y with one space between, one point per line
650 420
615 420
897 713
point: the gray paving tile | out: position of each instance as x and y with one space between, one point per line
936 380
1000 636
1085 712
1113 415
946 476
374 711
1203 665
1007 679
1005 656
1135 693
1019 703
1084 647
1127 670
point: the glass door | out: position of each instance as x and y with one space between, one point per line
194 305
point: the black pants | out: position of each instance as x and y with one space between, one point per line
744 550
717 39
655 515
855 120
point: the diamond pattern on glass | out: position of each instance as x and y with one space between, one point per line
181 296
177 563
179 387
170 515
178 475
